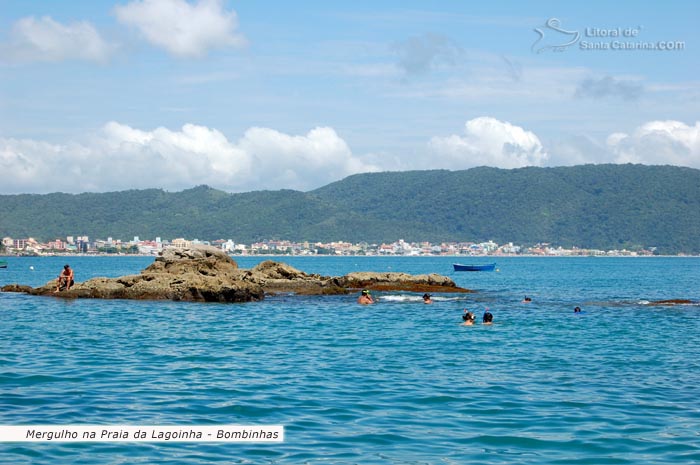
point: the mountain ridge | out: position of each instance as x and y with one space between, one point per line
589 206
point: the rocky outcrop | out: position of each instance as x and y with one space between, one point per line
206 274
399 282
280 278
203 274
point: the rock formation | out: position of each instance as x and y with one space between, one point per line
398 282
672 302
206 274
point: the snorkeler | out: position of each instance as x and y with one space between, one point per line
468 318
365 298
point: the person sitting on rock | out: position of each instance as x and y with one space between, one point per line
65 279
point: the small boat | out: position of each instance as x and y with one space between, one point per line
484 267
3 264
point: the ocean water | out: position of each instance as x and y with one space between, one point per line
398 382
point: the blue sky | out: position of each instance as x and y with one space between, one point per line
102 95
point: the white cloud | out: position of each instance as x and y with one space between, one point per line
170 159
181 28
657 143
490 142
46 40
120 157
300 162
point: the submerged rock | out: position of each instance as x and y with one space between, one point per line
671 302
206 274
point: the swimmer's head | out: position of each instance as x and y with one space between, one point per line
365 292
426 296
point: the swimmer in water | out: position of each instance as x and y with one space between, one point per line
427 299
365 298
468 318
488 317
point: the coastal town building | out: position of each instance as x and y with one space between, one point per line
83 245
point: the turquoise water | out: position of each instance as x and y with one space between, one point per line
397 382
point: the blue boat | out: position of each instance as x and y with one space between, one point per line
485 267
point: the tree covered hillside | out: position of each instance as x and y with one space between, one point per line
595 206
590 206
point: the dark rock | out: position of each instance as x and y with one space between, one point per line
280 278
400 282
670 302
16 288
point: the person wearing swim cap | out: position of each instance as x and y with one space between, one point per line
365 298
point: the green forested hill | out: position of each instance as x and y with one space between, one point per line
595 206
591 206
